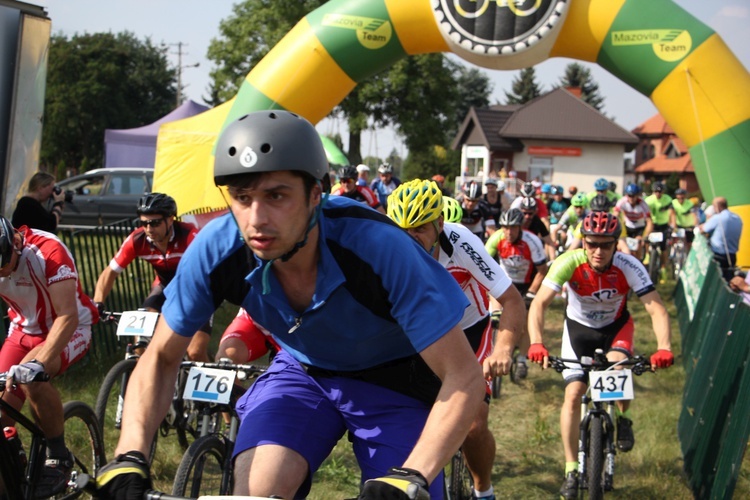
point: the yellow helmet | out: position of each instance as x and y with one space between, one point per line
452 211
415 203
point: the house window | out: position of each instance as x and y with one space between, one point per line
541 168
644 152
474 166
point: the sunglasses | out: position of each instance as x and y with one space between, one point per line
151 222
528 214
606 245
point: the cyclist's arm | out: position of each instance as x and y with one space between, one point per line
536 283
492 243
541 302
63 296
150 389
549 247
457 403
104 284
659 319
510 329
649 227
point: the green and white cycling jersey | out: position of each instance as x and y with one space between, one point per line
597 299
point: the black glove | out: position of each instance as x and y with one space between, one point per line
400 484
125 478
100 308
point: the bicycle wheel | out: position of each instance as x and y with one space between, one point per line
497 384
109 403
457 478
201 469
83 437
595 462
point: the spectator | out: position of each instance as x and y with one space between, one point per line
495 198
30 210
363 174
724 230
742 286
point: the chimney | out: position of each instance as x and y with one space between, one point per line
576 91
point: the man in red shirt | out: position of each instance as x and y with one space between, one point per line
50 329
161 241
350 189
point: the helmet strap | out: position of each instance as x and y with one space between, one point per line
313 221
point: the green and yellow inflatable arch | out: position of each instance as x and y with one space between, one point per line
655 46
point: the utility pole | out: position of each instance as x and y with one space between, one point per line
180 67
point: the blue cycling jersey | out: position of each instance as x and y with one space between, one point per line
379 296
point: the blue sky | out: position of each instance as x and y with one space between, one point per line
195 22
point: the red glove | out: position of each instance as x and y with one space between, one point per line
660 359
537 353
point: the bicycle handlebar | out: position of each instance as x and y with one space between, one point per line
40 377
639 364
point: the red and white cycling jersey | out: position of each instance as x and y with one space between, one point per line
362 194
635 215
519 259
137 244
597 299
44 261
463 255
255 339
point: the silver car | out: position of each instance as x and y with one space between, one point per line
106 195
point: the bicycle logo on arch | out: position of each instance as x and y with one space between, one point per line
473 9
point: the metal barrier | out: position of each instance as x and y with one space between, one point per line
713 427
92 249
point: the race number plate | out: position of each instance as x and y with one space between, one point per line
140 323
656 237
209 384
612 385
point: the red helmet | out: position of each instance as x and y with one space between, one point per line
601 224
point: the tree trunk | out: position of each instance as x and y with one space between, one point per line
355 142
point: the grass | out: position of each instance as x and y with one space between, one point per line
524 421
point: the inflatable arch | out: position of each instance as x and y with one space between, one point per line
655 46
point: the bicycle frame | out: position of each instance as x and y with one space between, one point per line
9 462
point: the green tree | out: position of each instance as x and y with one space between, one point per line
525 87
578 75
99 81
422 96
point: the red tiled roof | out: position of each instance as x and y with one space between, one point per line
656 125
664 165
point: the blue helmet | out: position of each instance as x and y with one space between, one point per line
601 184
632 189
546 188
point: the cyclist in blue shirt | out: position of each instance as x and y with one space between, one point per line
368 345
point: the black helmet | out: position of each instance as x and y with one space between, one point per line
528 189
157 203
600 203
658 187
512 217
348 172
472 190
6 240
269 141
528 203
